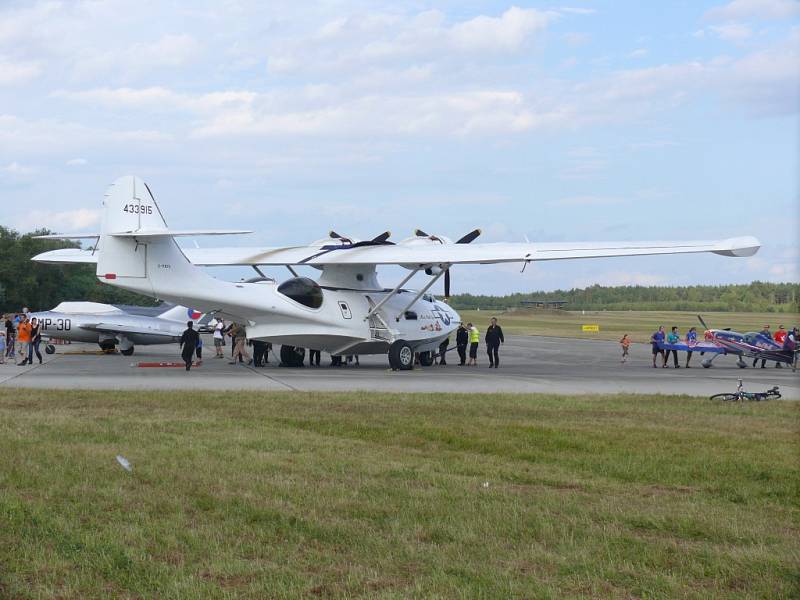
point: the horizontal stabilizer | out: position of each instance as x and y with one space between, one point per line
67 236
178 233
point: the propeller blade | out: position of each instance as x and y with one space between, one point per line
703 323
420 233
469 237
447 284
338 236
380 239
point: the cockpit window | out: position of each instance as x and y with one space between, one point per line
428 298
302 290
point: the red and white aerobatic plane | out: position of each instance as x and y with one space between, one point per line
346 310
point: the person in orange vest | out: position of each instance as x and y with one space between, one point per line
24 339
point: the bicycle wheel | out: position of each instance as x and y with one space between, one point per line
772 395
725 397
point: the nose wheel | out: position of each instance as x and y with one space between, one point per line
401 356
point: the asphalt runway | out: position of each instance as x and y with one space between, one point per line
528 364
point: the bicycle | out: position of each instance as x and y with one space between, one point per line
740 395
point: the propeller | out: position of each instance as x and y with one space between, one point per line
466 239
703 323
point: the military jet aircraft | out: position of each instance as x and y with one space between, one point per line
109 326
346 310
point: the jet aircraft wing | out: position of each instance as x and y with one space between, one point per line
115 328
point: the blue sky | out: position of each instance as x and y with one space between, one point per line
583 121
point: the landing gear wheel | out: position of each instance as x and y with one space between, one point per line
128 352
401 356
741 364
426 359
49 349
706 364
292 356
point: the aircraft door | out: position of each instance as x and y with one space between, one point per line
345 309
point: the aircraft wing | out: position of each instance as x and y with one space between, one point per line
432 254
115 328
429 254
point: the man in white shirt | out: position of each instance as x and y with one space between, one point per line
219 337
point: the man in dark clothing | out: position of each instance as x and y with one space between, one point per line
462 339
188 342
765 332
314 357
443 352
259 353
494 337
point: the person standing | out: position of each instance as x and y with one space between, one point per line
462 339
11 337
656 339
24 339
494 337
673 338
219 338
259 352
767 333
625 342
188 344
36 339
780 337
2 347
314 356
691 340
474 340
443 351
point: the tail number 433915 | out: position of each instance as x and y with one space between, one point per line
138 209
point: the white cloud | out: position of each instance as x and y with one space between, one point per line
638 53
588 200
755 9
506 32
76 162
16 73
14 168
732 32
65 221
575 39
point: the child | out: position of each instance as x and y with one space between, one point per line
2 348
625 342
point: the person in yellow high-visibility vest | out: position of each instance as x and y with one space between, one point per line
474 340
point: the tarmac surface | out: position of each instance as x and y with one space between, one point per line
528 364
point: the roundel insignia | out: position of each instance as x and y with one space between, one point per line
194 314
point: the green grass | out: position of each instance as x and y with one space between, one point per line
351 495
613 324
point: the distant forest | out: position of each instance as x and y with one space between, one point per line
754 297
39 287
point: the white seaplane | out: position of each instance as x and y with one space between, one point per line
346 310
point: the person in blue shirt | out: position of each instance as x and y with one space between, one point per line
655 339
691 340
673 337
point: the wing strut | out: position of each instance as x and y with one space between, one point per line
391 294
423 290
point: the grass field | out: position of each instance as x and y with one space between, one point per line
349 495
639 324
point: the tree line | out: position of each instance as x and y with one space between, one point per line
24 283
758 296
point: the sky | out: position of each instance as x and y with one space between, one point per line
593 120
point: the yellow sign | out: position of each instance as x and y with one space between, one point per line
590 327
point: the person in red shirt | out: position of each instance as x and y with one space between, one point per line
779 337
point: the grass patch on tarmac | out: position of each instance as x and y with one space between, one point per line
341 495
613 324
